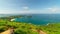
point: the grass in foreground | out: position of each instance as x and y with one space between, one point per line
25 28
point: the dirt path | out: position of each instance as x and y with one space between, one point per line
9 31
39 31
42 32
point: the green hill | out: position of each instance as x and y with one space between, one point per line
26 28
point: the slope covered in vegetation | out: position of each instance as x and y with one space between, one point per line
26 28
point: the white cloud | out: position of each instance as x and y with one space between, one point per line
53 10
25 7
6 11
27 11
14 12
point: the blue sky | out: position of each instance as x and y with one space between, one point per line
29 6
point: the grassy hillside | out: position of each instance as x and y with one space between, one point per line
26 28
